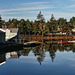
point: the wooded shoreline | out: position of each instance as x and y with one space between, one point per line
39 37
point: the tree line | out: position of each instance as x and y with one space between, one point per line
40 26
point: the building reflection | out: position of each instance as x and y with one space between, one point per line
39 52
8 55
2 59
13 55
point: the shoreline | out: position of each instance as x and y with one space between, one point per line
40 38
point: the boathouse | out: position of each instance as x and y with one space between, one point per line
11 33
2 36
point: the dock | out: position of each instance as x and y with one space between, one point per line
32 43
17 45
71 41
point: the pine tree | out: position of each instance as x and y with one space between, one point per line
40 17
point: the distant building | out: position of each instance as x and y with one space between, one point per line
11 33
2 36
73 31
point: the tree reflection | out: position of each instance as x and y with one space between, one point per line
2 59
25 51
40 51
52 48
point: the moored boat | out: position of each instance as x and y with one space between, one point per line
63 41
71 41
32 43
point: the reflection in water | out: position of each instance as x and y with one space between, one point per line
2 59
39 51
14 54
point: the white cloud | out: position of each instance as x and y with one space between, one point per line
34 3
11 17
60 14
27 8
32 9
57 15
47 15
70 6
20 12
64 14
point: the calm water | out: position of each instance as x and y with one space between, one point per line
46 59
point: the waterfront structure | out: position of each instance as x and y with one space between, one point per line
2 36
11 33
73 31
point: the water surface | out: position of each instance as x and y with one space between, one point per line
46 59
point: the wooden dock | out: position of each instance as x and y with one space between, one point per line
26 44
32 43
71 41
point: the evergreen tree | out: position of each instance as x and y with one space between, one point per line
52 18
53 24
41 23
40 17
72 21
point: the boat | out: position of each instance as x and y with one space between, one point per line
63 41
71 41
32 43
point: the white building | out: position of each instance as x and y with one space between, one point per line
73 30
11 33
2 36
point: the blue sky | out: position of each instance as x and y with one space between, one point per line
29 9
